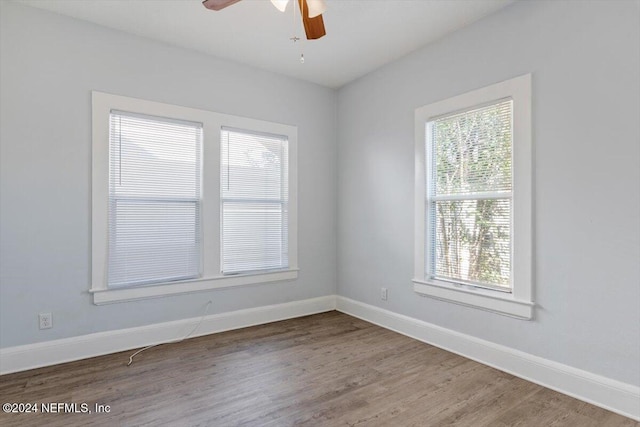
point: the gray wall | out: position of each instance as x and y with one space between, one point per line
49 65
584 57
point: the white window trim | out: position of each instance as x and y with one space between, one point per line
519 302
212 278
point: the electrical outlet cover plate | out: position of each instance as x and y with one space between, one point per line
46 320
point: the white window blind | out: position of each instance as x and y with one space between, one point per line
254 198
469 197
154 199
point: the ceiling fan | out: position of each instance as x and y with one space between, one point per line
311 11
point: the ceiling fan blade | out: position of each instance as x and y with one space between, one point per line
313 27
218 4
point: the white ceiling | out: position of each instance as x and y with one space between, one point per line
362 35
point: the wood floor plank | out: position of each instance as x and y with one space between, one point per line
328 369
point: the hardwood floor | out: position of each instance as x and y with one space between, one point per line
324 370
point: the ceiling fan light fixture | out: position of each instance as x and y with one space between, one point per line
316 7
281 5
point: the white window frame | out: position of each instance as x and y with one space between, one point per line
519 301
211 278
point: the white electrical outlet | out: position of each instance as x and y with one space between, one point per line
383 294
46 320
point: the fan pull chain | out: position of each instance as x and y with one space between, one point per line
295 37
302 30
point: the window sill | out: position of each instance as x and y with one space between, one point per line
484 299
107 296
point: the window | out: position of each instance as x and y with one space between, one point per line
469 197
154 200
254 201
473 199
183 200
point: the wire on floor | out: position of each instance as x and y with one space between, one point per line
206 310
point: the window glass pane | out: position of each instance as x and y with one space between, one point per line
155 157
254 237
472 151
153 242
253 166
473 241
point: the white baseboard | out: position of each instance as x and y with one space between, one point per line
30 356
606 393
